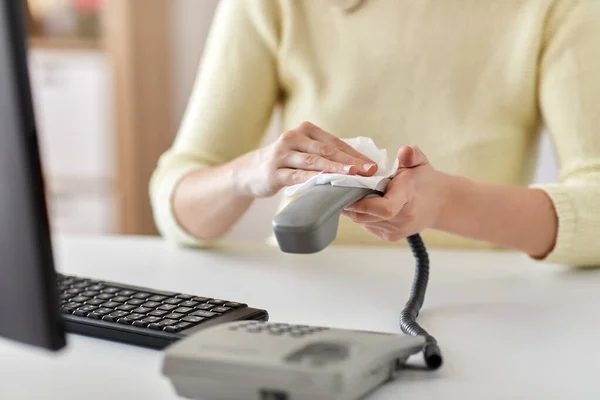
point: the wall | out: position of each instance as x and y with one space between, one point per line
191 22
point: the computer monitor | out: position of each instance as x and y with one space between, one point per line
29 311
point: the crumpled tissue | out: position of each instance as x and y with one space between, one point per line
385 171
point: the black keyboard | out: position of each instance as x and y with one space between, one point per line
142 316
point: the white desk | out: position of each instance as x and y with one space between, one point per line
508 328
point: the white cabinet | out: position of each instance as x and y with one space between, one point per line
72 100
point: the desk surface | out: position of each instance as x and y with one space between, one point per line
508 327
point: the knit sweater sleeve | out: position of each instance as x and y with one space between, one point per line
569 96
230 106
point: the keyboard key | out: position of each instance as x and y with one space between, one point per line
218 302
95 302
80 285
193 320
128 320
175 316
84 310
105 296
68 281
172 301
167 307
119 314
189 303
157 297
205 307
81 299
203 314
185 296
111 290
120 299
201 299
69 307
113 316
73 291
90 293
144 322
142 296
126 307
178 327
135 302
99 313
160 325
234 304
66 296
73 305
96 287
127 293
142 310
221 309
183 310
111 304
151 304
158 313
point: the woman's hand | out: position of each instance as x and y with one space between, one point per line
413 201
295 157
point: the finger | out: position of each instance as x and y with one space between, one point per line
411 156
380 207
385 207
314 162
290 176
361 218
328 151
318 134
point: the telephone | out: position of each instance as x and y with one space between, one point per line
276 361
309 224
251 360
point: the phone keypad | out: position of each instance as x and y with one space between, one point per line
278 329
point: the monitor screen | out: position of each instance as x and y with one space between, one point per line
28 290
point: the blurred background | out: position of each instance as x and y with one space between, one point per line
111 80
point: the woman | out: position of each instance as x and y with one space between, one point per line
457 89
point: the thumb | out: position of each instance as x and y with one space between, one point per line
411 156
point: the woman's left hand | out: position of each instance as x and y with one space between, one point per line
414 199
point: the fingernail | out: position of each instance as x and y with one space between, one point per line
347 168
368 166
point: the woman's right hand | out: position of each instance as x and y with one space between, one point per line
295 157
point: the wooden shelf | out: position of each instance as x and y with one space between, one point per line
66 43
136 41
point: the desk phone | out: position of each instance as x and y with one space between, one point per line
278 361
246 360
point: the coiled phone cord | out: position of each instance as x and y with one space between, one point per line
408 316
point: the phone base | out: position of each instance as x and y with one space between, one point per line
257 360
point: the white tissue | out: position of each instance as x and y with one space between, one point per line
379 181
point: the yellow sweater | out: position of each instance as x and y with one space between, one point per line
470 82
